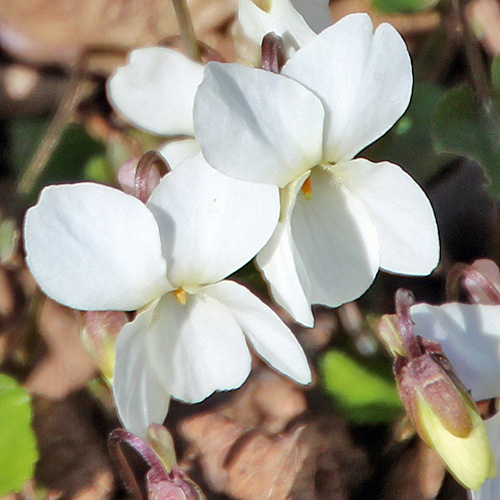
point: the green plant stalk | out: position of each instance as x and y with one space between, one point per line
188 36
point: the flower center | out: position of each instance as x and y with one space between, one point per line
307 189
181 295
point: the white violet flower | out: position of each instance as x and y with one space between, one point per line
92 247
341 218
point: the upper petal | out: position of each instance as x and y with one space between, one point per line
279 17
363 79
197 348
282 265
491 488
93 247
401 212
140 397
156 89
211 224
470 337
248 128
269 336
336 240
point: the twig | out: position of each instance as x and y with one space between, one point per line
186 28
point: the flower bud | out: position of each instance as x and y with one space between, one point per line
439 406
98 332
160 483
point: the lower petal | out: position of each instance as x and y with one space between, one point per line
281 264
269 336
140 397
198 348
336 240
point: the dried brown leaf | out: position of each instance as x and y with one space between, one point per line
56 31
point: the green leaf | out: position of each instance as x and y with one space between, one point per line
495 74
98 169
67 162
394 6
462 127
365 394
409 142
18 451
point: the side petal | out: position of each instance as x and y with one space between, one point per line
211 224
140 397
198 348
470 337
156 90
491 488
336 240
248 129
401 212
278 16
269 336
175 152
363 79
95 248
281 264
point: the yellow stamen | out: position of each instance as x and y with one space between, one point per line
307 189
181 295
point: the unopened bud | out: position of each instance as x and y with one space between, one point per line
160 484
98 332
389 333
439 406
162 444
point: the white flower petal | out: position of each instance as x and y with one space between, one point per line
211 224
363 79
269 336
491 488
248 127
470 338
336 240
281 18
281 264
401 212
175 152
156 89
198 348
93 247
140 397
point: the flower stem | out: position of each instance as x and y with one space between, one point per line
186 28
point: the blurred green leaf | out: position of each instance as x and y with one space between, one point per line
462 127
409 142
98 169
365 394
495 74
68 160
18 451
394 6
